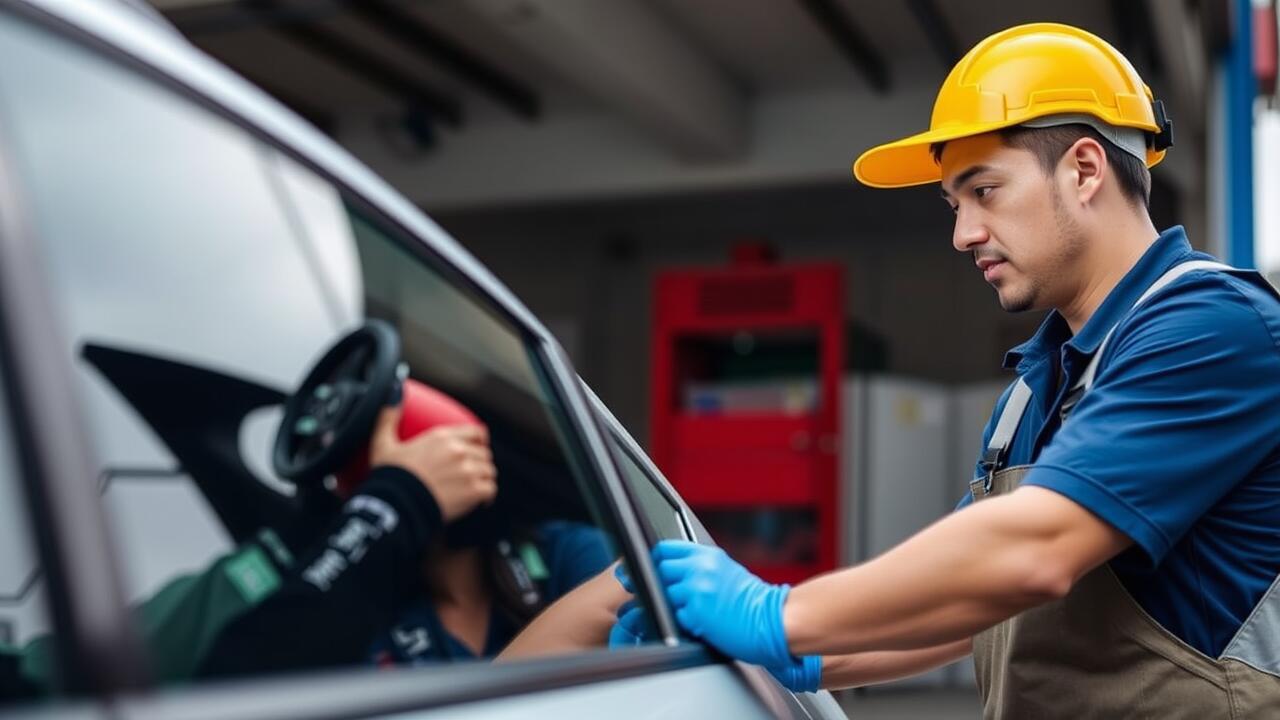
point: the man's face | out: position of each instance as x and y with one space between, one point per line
1011 217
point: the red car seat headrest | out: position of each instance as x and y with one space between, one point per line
426 408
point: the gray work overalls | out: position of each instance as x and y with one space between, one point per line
1096 653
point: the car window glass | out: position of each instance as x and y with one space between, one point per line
200 274
25 660
662 515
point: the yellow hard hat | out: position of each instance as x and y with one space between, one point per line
1018 75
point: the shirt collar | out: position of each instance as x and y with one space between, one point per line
1052 333
1170 248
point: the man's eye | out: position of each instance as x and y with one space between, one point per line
982 191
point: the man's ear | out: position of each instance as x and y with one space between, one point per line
1086 160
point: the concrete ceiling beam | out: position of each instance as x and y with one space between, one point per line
629 57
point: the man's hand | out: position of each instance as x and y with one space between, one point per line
453 462
717 599
797 675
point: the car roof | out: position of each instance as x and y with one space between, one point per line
149 39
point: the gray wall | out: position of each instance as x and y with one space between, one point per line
589 271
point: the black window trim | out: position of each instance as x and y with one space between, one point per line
116 666
632 455
638 537
629 447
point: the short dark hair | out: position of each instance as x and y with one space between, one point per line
1049 144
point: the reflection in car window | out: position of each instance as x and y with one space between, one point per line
654 505
200 274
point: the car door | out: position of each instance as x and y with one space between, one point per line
197 248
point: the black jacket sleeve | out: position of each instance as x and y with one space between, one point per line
348 586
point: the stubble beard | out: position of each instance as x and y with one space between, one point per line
1069 246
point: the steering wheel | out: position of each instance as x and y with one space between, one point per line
332 413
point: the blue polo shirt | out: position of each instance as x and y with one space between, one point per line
1177 445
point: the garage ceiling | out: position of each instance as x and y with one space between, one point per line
706 82
334 58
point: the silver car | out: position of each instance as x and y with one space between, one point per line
176 250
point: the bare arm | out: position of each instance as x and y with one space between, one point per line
577 621
957 577
869 668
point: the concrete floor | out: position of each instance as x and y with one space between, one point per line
894 704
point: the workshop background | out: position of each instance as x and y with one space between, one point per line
663 182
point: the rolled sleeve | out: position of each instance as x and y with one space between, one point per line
1184 407
1104 503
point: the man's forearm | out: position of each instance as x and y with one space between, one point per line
869 668
957 577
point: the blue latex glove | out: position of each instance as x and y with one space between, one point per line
803 675
630 629
624 579
720 601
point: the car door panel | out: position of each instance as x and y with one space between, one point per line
702 692
646 682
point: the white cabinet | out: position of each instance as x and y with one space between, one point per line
909 447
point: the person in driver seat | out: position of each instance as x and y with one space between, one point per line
329 602
451 580
488 575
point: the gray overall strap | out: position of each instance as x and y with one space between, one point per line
1177 271
1002 437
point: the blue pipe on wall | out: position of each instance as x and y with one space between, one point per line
1241 90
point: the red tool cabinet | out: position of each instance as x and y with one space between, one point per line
747 366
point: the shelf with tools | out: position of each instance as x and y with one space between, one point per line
746 408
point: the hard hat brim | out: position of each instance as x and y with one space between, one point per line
909 161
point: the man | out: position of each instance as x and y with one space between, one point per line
1117 555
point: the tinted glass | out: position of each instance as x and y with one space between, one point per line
661 514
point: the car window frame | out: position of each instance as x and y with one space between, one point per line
628 446
784 702
623 456
102 635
